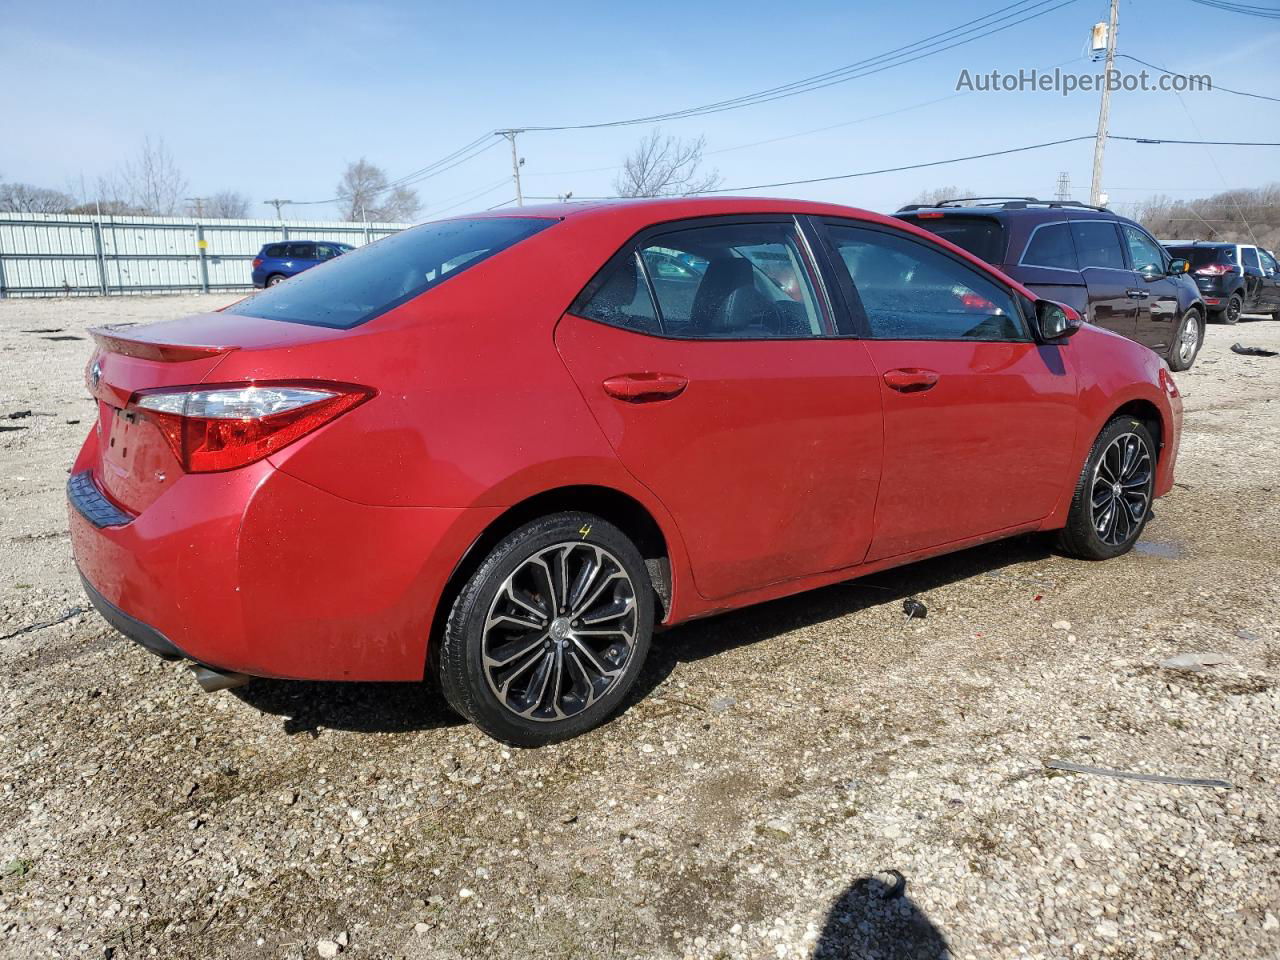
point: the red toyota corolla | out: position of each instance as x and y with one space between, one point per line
503 448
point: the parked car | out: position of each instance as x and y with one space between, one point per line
501 449
1234 278
280 261
1107 267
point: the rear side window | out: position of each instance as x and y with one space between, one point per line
981 236
275 250
623 300
373 279
736 281
912 292
1249 256
1050 246
302 251
1097 244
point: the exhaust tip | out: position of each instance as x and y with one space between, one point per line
211 680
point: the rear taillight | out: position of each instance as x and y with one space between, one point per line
257 262
930 216
223 426
1215 269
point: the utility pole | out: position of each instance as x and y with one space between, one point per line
1104 112
516 163
197 204
277 204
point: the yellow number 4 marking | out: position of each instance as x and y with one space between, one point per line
585 531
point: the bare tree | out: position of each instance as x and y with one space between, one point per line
228 204
1250 215
665 167
151 181
936 195
365 195
25 198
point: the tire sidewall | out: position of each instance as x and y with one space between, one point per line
1226 313
1175 351
1087 543
461 666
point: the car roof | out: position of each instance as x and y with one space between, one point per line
1201 243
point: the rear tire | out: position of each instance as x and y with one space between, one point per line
1187 341
1231 312
547 637
276 278
1112 499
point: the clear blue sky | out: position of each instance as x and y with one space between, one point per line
274 99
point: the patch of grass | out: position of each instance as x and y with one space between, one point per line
22 586
17 867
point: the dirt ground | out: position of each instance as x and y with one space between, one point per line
812 778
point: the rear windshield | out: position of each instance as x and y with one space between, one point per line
1199 256
981 236
371 280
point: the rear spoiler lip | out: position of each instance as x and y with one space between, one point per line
116 341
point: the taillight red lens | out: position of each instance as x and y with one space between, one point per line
223 426
257 262
1216 269
930 216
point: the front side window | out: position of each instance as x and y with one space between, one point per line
735 281
1097 244
325 252
1146 254
1268 262
1050 246
912 292
376 278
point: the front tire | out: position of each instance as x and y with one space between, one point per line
1187 341
1112 500
546 638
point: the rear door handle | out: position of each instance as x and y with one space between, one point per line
645 387
1138 294
910 379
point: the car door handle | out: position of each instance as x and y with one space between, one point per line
645 387
910 379
1138 294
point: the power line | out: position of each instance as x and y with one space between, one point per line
1239 93
1250 10
929 46
939 163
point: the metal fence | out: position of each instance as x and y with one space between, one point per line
44 254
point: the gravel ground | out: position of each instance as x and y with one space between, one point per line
815 777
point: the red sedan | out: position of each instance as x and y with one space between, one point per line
503 448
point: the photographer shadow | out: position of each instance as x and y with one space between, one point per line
875 918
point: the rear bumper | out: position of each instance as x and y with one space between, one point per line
133 628
256 572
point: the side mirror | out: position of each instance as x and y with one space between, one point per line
1056 321
1179 265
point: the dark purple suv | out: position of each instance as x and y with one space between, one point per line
1106 266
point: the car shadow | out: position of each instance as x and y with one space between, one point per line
308 707
707 638
875 918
